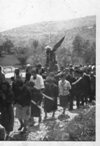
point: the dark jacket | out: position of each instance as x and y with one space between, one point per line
28 76
24 97
81 87
16 89
70 79
6 97
6 108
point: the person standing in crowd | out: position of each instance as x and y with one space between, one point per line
36 98
28 73
51 92
6 107
39 69
81 88
2 76
16 88
17 74
37 79
77 88
39 86
16 83
23 101
71 78
87 86
64 87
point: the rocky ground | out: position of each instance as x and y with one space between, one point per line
76 125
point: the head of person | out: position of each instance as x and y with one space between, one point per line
12 78
66 71
17 72
50 80
63 76
5 86
39 68
30 84
78 73
28 68
92 74
72 72
50 76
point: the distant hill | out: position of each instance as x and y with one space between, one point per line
48 33
54 30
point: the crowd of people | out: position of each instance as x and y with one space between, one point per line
41 90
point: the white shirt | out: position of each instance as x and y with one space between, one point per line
64 87
39 82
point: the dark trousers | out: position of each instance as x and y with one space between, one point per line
71 97
78 101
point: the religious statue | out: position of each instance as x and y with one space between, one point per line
51 61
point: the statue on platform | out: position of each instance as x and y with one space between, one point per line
51 60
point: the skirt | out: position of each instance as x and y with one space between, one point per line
35 110
50 105
64 100
22 113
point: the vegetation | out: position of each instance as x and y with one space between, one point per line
84 49
81 128
6 47
79 45
22 56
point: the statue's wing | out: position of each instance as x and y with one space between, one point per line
57 44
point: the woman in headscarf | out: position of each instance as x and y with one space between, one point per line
50 96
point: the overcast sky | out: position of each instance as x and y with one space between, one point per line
14 13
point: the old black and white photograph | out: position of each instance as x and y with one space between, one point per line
48 70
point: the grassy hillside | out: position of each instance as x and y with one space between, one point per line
51 26
48 33
42 31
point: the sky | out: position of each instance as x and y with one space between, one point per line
15 13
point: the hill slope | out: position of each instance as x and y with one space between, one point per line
54 30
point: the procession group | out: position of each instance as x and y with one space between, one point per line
41 90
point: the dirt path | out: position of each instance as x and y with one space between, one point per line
47 130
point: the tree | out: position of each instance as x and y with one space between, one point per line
22 59
35 57
93 53
22 56
35 44
89 52
7 45
1 49
77 45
